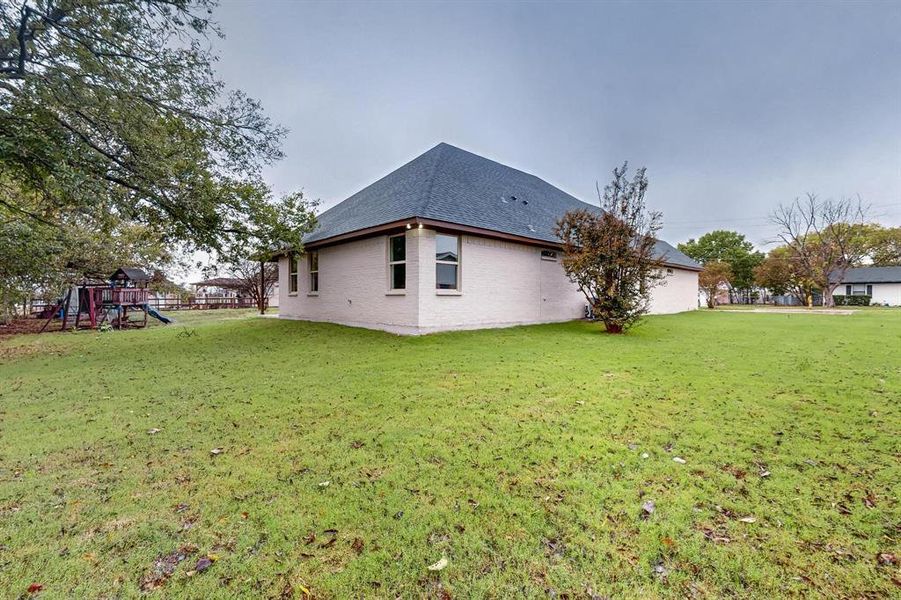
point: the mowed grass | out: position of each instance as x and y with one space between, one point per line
352 460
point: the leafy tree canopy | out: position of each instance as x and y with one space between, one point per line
609 254
714 275
113 105
729 247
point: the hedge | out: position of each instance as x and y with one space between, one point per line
852 300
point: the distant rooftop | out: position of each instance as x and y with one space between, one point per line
872 275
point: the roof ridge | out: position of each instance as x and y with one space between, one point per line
526 173
426 198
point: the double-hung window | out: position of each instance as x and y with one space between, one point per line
859 289
292 273
397 262
314 272
447 262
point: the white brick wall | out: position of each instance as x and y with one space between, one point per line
502 284
678 292
883 293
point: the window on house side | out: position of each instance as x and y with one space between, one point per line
447 262
549 255
860 289
292 274
397 262
314 272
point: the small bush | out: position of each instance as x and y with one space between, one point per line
852 300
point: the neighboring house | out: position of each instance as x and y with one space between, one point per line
219 290
450 240
216 288
882 284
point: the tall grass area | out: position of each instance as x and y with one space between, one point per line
538 461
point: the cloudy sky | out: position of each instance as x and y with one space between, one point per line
733 107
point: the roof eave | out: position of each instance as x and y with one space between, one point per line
402 224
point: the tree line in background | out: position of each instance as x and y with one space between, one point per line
119 146
820 241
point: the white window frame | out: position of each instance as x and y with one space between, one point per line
857 287
393 263
313 273
293 268
456 263
549 255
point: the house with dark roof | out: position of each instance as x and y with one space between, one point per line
450 240
882 284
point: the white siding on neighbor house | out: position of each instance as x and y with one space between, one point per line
883 293
501 284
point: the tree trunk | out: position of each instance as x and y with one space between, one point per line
261 301
614 328
828 300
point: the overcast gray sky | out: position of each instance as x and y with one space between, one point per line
733 107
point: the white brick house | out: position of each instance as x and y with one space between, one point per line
449 241
882 284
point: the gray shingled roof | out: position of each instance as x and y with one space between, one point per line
132 273
455 186
872 275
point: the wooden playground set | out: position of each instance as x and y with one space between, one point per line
121 302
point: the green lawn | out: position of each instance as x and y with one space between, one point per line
352 460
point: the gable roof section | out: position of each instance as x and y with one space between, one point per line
454 186
872 275
130 273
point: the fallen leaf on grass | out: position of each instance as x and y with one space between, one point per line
869 500
324 484
716 537
154 431
748 520
887 558
438 566
202 565
163 567
216 451
678 459
357 545
34 588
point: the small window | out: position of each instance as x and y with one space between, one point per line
549 255
447 262
314 272
397 262
859 289
669 271
292 274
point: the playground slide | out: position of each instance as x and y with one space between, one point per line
156 315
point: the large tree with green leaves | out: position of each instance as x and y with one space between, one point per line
115 134
117 101
728 247
883 245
